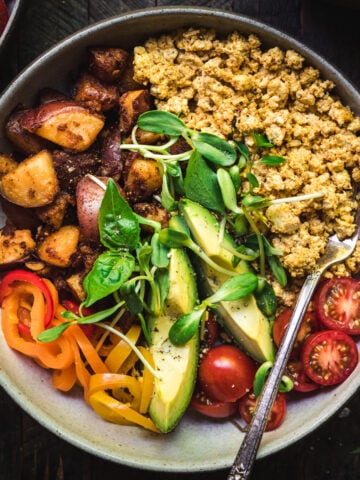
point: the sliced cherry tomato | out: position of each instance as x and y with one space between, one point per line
329 357
6 286
210 408
277 415
308 325
226 373
4 16
90 328
302 383
337 304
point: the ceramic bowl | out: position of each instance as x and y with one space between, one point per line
198 444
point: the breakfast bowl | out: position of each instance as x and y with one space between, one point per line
66 414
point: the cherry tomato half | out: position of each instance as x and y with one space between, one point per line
337 304
308 325
226 373
329 357
277 415
302 383
210 408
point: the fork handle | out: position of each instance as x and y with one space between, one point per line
245 458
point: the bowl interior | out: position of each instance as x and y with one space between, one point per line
67 415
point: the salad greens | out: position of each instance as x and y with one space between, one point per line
219 175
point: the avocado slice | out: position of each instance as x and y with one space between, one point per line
243 319
176 365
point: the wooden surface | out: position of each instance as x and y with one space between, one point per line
28 451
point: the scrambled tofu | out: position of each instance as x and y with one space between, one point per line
233 87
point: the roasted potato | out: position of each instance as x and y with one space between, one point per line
107 64
111 154
89 91
152 211
54 213
33 183
65 123
23 141
15 246
132 104
143 179
7 164
57 248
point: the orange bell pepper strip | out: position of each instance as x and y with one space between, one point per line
114 411
64 379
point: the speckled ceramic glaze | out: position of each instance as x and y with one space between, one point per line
198 444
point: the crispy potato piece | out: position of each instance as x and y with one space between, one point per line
143 179
111 154
107 64
54 213
152 211
58 247
74 282
132 104
33 183
19 217
89 91
23 141
127 81
7 164
64 123
15 246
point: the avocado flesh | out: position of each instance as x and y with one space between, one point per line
243 319
176 365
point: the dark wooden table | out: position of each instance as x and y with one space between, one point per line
28 451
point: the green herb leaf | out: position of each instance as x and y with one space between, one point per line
118 224
110 270
261 141
272 160
252 180
162 282
160 252
214 148
278 270
100 315
158 121
253 200
173 238
234 288
228 191
266 300
167 199
243 149
201 184
186 327
51 334
133 301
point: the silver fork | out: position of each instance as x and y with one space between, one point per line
335 252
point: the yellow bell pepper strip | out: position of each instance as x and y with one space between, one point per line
114 411
122 350
147 382
117 381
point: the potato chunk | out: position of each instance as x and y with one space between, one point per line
94 94
64 123
33 183
7 164
107 64
59 246
132 104
143 179
15 246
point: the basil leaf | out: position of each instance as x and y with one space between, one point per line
214 148
118 224
201 184
158 121
110 270
235 288
272 160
